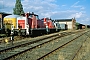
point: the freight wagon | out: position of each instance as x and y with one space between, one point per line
29 24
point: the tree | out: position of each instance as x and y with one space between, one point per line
18 10
77 25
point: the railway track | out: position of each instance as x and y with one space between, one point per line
16 38
74 45
42 57
80 47
12 51
77 51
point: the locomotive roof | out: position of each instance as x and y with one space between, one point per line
12 16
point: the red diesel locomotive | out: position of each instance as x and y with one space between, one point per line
30 24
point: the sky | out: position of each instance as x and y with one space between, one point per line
54 9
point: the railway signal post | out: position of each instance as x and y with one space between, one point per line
12 38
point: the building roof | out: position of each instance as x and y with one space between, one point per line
4 13
62 20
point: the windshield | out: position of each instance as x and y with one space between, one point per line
37 17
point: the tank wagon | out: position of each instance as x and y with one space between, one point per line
29 24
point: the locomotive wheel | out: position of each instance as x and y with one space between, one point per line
23 33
